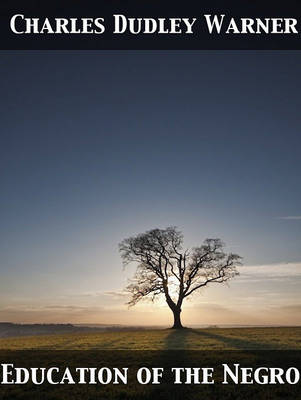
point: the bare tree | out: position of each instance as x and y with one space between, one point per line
164 268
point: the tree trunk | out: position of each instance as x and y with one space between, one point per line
177 319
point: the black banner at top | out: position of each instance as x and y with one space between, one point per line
149 25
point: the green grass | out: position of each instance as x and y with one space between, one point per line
188 339
241 339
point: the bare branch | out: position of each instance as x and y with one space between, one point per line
160 257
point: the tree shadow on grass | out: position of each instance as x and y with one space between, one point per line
180 350
179 340
174 353
176 339
234 342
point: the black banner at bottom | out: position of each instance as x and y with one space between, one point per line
108 374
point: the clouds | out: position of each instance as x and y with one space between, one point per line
47 309
262 294
117 295
279 271
78 314
291 218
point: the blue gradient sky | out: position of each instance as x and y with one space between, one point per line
97 146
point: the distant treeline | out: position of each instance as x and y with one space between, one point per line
8 329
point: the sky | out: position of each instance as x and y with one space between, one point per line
98 146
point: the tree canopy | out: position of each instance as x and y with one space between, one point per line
165 268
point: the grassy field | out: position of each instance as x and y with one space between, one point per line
248 341
188 339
